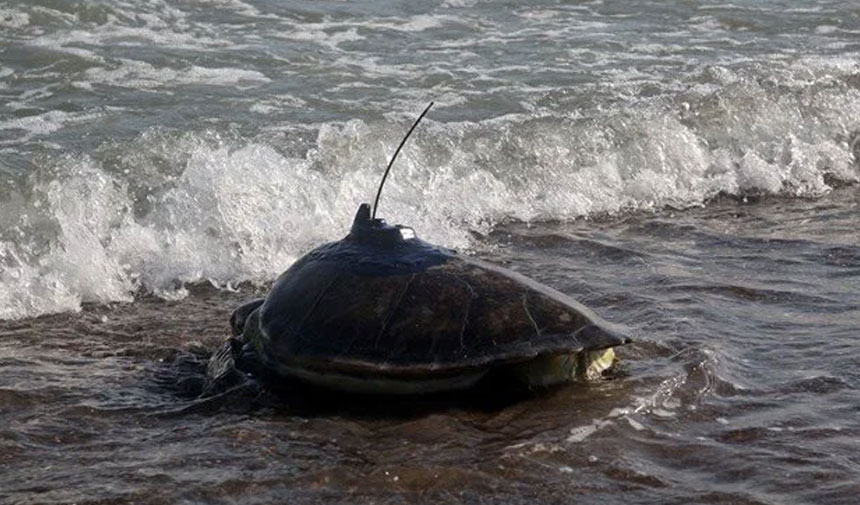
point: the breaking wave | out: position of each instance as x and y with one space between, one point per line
170 208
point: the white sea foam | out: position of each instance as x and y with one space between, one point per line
316 32
456 4
11 18
237 6
331 34
142 75
419 23
129 24
80 264
42 124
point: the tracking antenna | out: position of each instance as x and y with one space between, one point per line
390 163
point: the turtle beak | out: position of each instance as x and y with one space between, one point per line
237 322
240 316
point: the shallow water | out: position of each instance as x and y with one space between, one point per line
688 169
742 386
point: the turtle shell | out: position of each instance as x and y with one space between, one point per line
382 302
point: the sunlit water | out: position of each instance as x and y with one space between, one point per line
686 169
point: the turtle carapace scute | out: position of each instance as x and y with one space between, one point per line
382 311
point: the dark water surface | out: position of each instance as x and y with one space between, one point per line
742 388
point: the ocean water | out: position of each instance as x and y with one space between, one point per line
688 169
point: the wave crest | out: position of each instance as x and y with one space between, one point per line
169 209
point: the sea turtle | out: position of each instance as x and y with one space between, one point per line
382 311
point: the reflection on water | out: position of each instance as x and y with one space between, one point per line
742 386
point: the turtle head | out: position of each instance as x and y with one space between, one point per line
371 230
241 314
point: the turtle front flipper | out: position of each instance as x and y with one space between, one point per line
221 370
